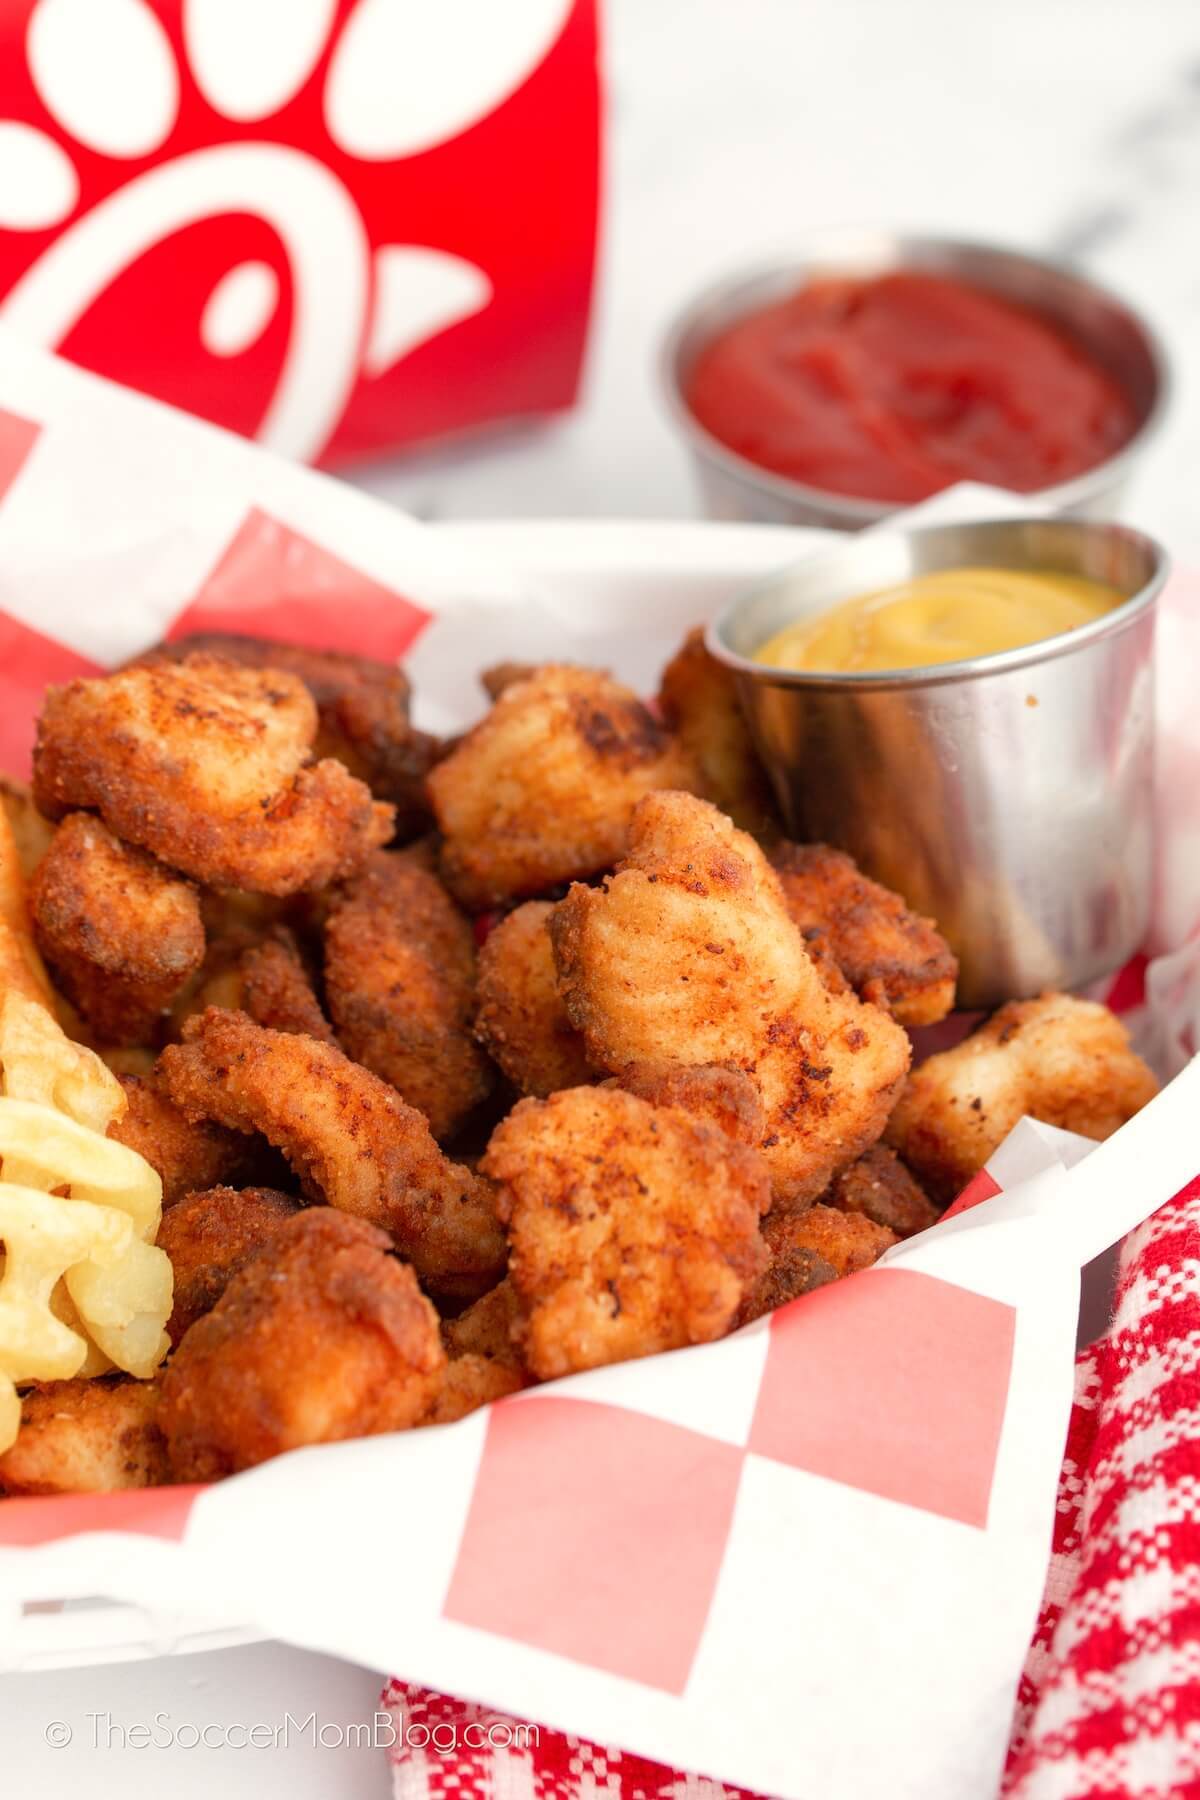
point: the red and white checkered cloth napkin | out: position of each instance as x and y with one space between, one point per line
1109 1703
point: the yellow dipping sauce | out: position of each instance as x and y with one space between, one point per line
950 615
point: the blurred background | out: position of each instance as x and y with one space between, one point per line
1068 126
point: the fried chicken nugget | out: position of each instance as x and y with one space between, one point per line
206 765
880 1187
209 1236
688 955
362 710
350 1139
726 1096
1064 1061
541 791
488 1327
792 1270
699 701
188 1154
323 1335
847 1241
634 1228
521 1018
400 986
276 990
86 1437
468 1383
889 955
121 932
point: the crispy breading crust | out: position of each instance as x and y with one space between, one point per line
890 956
721 1093
879 1186
188 1154
362 709
86 1437
541 791
321 1336
400 986
276 990
1064 1061
121 932
699 701
470 1382
688 955
846 1241
203 763
521 1018
488 1327
792 1270
350 1138
634 1228
209 1236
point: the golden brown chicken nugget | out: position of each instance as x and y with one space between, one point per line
469 1382
209 1236
719 1092
207 765
400 986
276 989
521 1018
121 932
362 710
86 1437
323 1335
634 1228
890 956
541 791
879 1186
792 1270
699 701
846 1241
350 1139
188 1154
1064 1061
488 1327
687 954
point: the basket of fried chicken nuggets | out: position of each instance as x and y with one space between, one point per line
468 1066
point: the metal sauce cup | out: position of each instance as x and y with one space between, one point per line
1009 798
1106 328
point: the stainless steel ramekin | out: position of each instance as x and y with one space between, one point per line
1009 798
1121 341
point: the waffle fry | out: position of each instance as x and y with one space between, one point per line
82 1286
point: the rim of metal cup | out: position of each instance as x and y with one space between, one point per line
853 250
871 545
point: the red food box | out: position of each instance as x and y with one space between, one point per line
339 226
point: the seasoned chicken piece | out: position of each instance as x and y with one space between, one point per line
189 1154
846 1241
541 791
276 990
699 701
121 932
31 832
521 1019
792 1270
719 1092
207 765
470 1382
209 1236
350 1139
86 1437
880 1187
362 711
1064 1061
488 1328
400 986
688 955
321 1336
889 955
634 1228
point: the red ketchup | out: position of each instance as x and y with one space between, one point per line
891 389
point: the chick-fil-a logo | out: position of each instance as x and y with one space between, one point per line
344 145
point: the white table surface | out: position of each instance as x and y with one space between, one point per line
1071 124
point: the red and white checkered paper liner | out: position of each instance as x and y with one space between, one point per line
807 1559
